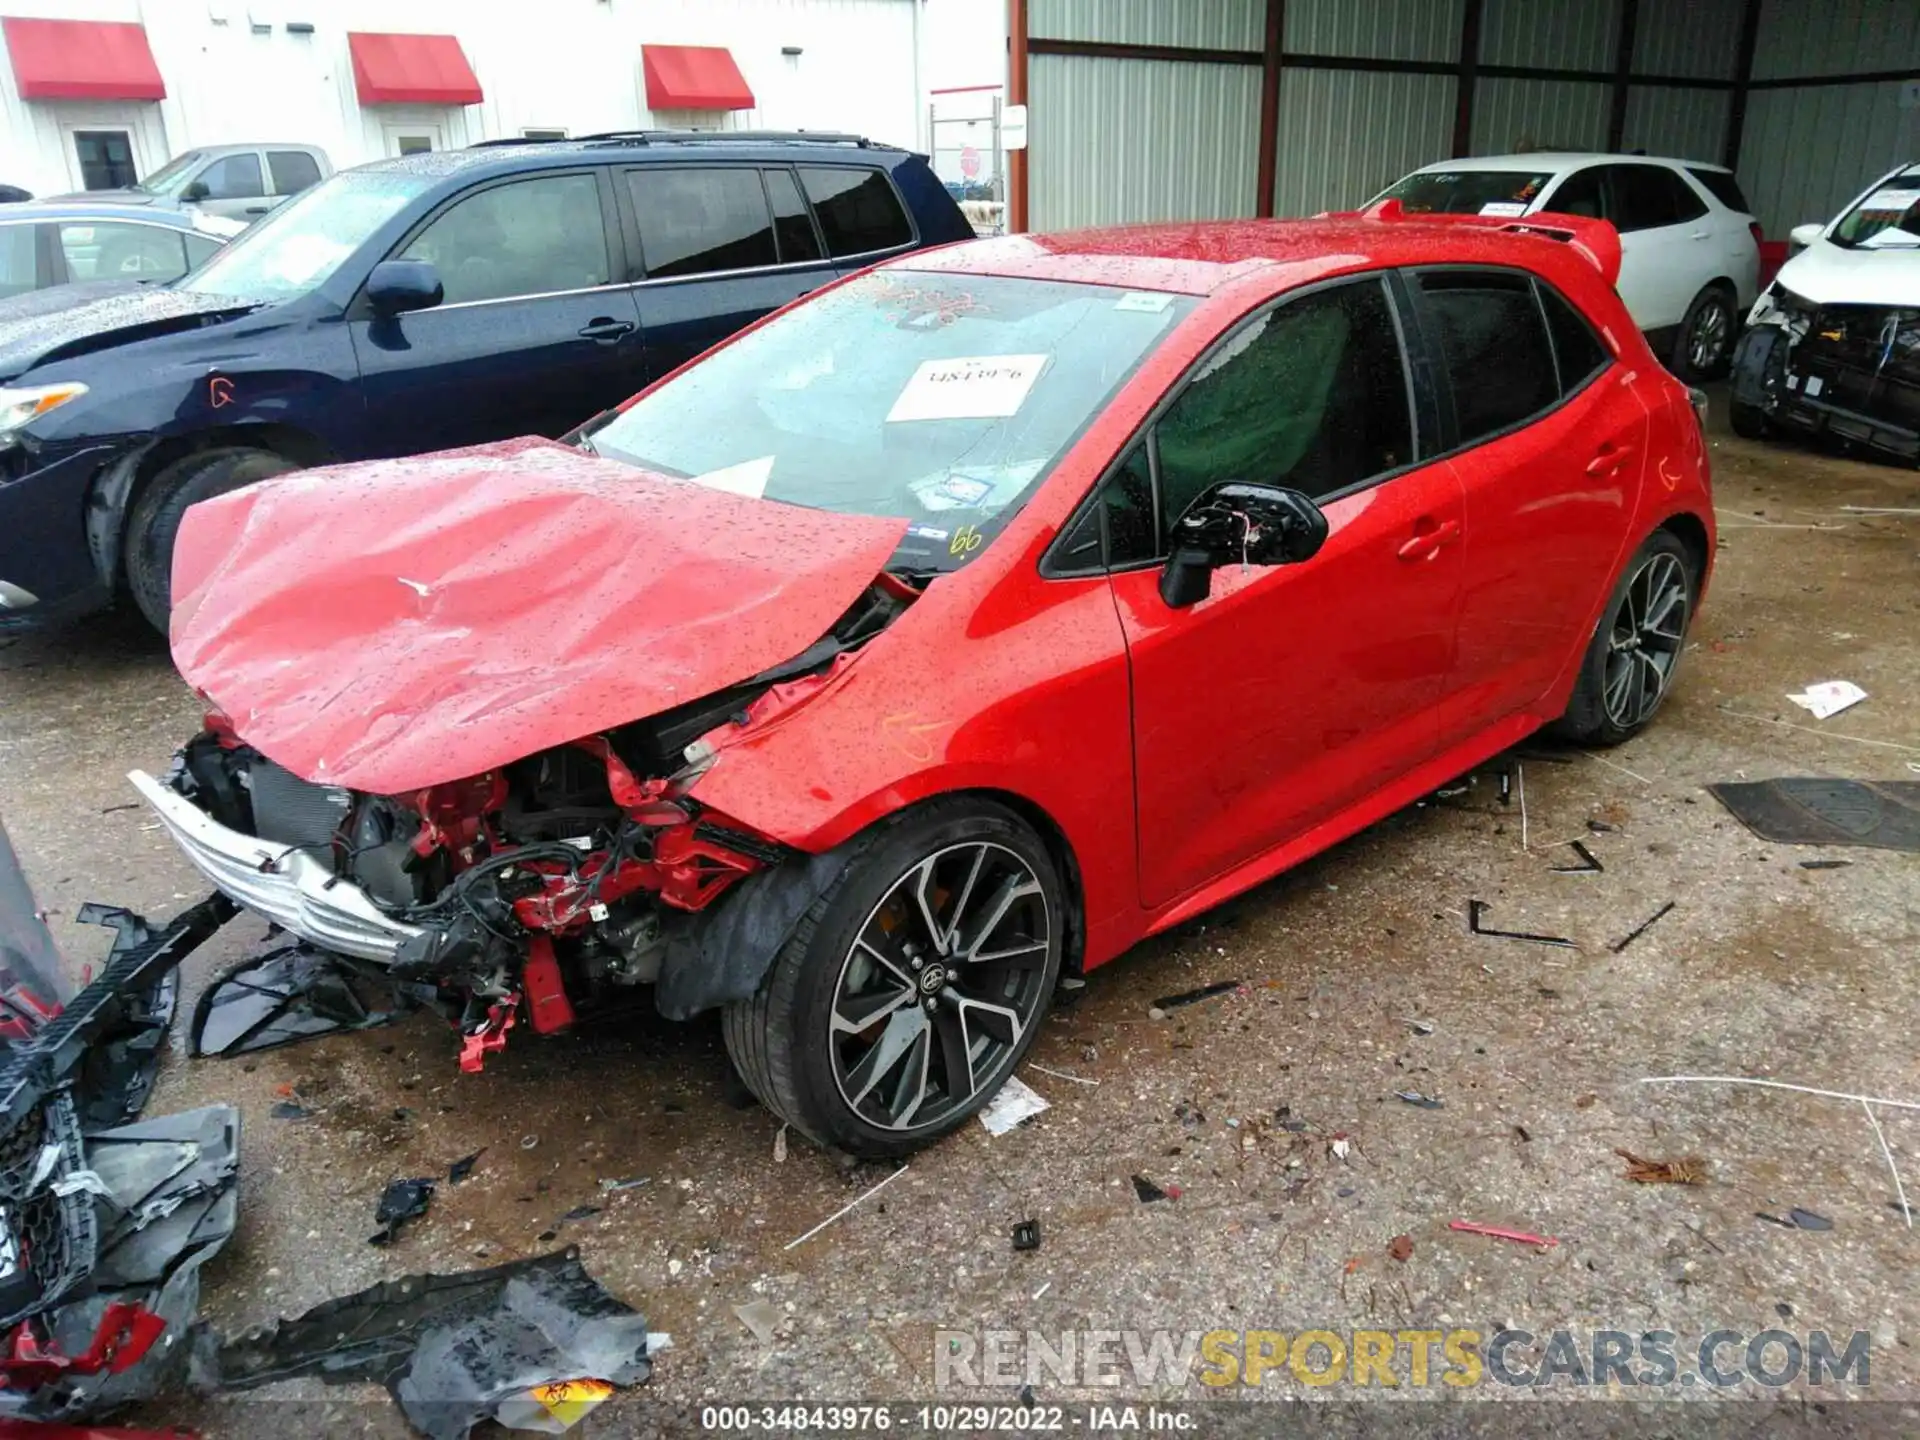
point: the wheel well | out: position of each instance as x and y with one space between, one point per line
1690 532
1055 839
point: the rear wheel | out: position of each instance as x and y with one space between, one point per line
154 521
1630 662
913 987
1704 348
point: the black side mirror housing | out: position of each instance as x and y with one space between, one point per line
194 190
396 286
1238 522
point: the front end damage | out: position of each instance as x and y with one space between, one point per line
1847 370
558 884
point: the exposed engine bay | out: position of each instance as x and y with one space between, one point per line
562 880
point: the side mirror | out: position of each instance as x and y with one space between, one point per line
1238 523
194 190
1805 235
396 286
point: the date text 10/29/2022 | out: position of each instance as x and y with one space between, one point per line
970 1419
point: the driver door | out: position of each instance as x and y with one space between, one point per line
1292 690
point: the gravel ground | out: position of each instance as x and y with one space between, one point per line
1272 1108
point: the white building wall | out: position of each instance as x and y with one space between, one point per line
234 72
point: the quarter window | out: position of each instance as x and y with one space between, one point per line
697 222
533 237
1494 346
233 177
1577 351
292 171
858 210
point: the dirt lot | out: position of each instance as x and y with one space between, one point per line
1761 968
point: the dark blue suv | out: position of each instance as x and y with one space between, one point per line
416 304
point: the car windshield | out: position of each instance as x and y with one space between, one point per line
304 241
161 180
1888 219
1469 192
943 400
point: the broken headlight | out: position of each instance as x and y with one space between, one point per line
25 404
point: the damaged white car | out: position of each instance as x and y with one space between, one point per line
1833 345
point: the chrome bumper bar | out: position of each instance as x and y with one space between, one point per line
292 887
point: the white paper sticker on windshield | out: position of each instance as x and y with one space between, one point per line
1145 302
1504 207
1882 201
748 478
981 387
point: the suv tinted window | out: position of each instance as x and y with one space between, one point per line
1577 351
1311 395
1723 187
791 223
858 210
1579 194
292 171
1494 347
532 237
233 177
1646 197
695 222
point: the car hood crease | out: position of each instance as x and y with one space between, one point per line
1829 274
396 624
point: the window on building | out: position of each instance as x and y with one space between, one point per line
532 237
858 210
106 159
791 224
538 134
696 222
18 267
1494 345
292 171
413 144
1577 351
233 177
112 251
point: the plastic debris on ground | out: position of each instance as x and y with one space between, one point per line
1828 697
1148 1192
1797 1219
295 992
1687 1170
1820 810
1424 1102
1026 1235
632 1183
1016 1102
501 1344
1645 925
1476 913
401 1201
463 1167
1401 1248
1194 997
1500 1232
762 1317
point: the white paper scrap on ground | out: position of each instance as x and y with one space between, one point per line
979 387
748 478
1829 697
1016 1101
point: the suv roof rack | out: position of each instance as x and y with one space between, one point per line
681 137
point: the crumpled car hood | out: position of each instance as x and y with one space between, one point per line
396 624
97 317
1829 274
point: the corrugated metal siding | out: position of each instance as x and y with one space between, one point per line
1836 37
1346 135
1213 24
1380 29
1113 141
1686 124
1539 114
1569 34
1808 150
1699 39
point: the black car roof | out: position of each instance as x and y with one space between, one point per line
514 157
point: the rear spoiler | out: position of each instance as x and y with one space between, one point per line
1596 240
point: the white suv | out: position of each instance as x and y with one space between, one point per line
1689 245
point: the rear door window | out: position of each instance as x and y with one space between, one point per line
858 210
531 237
1493 345
292 171
701 221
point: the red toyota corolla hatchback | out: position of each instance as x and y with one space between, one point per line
957 626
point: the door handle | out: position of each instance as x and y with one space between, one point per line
1428 539
1700 235
256 210
606 328
1609 459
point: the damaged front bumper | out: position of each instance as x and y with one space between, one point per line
292 886
1851 371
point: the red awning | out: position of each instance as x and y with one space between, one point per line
693 77
82 60
411 70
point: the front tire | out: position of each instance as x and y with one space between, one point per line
154 521
1631 660
913 987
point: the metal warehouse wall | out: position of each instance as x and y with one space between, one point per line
1195 109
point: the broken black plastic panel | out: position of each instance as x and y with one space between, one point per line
1478 908
296 992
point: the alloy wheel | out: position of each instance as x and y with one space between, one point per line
941 984
1707 340
1645 642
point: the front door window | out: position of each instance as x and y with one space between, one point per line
106 159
